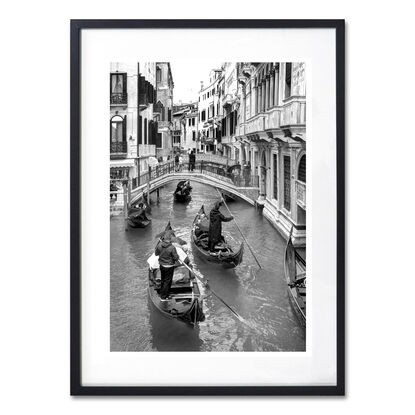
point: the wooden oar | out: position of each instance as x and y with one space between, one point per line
236 223
205 284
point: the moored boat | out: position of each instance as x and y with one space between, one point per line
295 275
183 190
137 217
228 197
185 301
224 253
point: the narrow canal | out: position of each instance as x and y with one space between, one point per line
259 297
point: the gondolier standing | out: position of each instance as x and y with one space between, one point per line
167 259
215 226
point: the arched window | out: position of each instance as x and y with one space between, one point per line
118 134
302 169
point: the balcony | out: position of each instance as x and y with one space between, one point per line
118 98
300 188
118 149
146 150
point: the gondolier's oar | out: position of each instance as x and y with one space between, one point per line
205 284
236 223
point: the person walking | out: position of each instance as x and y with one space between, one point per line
192 160
215 226
180 162
176 162
168 257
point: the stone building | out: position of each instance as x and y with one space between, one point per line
228 95
208 107
123 120
271 139
133 129
185 126
163 109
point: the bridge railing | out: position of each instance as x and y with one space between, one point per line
233 176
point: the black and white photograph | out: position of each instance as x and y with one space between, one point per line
207 204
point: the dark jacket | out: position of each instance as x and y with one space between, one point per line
167 254
215 226
192 158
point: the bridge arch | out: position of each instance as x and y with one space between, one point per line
249 194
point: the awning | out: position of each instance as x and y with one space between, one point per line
124 163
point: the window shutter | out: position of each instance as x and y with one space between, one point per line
124 129
124 83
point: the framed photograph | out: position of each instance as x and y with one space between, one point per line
207 238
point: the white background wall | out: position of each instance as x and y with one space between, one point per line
34 304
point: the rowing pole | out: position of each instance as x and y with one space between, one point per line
236 223
205 284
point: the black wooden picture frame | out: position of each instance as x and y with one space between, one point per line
76 387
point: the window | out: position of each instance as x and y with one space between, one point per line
287 80
213 91
193 121
190 122
117 129
208 94
194 135
169 115
302 170
140 129
203 115
158 75
287 182
118 88
118 143
275 166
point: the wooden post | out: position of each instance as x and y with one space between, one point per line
149 185
129 191
125 194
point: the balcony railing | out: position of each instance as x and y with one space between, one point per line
300 188
146 150
118 98
118 147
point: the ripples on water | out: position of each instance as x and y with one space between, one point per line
259 296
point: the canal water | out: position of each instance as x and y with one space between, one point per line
260 297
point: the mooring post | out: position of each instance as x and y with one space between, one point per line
149 185
129 190
125 190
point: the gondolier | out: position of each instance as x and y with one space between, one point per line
168 257
215 226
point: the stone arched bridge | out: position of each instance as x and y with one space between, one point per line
212 174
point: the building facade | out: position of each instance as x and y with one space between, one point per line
185 126
164 109
209 130
271 139
123 120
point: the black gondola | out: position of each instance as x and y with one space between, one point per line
137 217
185 302
295 275
225 255
183 190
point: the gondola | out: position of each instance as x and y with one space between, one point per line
137 217
226 256
185 302
295 275
182 192
228 197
